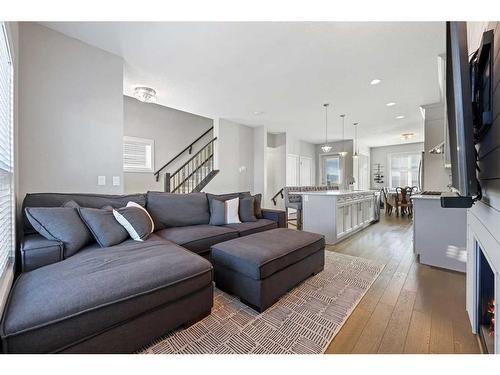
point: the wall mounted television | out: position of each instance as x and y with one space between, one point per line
460 120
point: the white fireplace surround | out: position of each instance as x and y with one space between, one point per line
483 231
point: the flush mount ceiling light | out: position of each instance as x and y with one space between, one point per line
407 136
343 153
356 154
391 104
145 94
375 82
326 148
400 117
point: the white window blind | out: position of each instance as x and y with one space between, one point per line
138 154
6 153
404 169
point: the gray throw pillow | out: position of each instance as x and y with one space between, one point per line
104 227
227 196
217 212
247 209
60 224
258 206
136 221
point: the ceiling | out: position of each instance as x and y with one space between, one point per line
286 70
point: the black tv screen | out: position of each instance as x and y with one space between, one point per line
459 109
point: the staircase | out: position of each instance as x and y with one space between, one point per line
195 173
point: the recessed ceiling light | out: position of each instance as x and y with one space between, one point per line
399 117
375 82
390 104
258 113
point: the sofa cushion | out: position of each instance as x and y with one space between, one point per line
247 209
198 238
224 212
58 305
83 200
37 251
224 197
260 225
177 210
258 206
262 254
104 227
136 221
60 224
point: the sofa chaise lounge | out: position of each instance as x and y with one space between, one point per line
117 299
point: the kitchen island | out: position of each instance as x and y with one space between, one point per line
338 214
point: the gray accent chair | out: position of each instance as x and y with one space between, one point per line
120 298
294 201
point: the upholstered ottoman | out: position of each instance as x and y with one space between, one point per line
261 267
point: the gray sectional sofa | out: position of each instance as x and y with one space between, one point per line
117 299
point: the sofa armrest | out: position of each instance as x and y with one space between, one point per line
275 215
37 251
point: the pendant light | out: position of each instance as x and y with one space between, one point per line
355 156
343 153
326 148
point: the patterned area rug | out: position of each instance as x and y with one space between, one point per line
303 321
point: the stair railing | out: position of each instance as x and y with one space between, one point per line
189 148
192 175
276 196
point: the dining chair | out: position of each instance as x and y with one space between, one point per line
388 206
402 204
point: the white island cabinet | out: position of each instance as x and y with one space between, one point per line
337 214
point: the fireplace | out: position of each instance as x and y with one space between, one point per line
483 275
485 303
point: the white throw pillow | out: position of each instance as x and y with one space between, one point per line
232 207
136 221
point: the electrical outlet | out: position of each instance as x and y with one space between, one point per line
101 180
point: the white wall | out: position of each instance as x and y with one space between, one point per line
259 163
275 168
234 158
171 130
381 154
70 114
436 176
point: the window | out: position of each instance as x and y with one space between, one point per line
6 153
332 170
138 154
404 169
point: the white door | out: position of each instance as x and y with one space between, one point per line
292 170
305 172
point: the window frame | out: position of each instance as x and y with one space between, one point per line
389 163
7 273
145 141
323 158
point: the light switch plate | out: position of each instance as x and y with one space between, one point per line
116 180
101 180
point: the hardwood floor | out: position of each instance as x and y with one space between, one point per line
411 308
